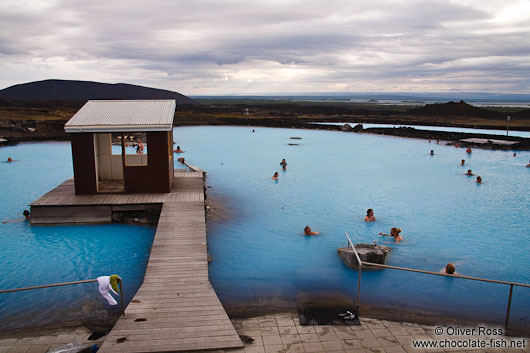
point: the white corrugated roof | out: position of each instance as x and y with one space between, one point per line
123 115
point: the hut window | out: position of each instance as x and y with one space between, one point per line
135 148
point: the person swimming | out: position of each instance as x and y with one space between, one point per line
369 215
283 162
515 154
9 160
308 231
463 162
479 180
449 269
178 150
26 218
469 172
275 176
468 150
394 232
432 152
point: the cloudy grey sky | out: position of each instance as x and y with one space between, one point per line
271 47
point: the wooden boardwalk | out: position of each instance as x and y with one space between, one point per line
176 308
61 205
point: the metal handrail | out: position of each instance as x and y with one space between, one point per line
511 284
350 244
67 284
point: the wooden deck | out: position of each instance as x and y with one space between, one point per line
176 308
61 205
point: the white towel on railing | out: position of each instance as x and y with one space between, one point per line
105 288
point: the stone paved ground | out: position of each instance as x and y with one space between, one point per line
283 333
42 343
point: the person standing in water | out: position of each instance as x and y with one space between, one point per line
369 215
178 150
308 231
394 232
275 176
283 163
449 269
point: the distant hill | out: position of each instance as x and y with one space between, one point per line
67 90
453 109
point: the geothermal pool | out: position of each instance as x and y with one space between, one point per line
37 255
255 230
261 258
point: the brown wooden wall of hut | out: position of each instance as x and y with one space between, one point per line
84 163
157 175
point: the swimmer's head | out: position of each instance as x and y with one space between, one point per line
369 212
26 213
479 179
9 159
395 231
276 174
450 268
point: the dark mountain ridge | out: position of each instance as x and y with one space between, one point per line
69 90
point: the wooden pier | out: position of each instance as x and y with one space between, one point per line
176 308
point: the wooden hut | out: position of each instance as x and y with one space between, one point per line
107 136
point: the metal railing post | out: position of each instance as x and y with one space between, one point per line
360 271
121 296
508 309
359 287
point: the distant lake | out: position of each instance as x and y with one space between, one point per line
437 128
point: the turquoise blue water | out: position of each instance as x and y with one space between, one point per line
36 255
260 256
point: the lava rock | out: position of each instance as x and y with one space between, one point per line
346 127
358 127
367 253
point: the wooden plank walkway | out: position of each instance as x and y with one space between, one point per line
64 195
176 309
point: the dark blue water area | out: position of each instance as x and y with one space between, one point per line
261 257
37 255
